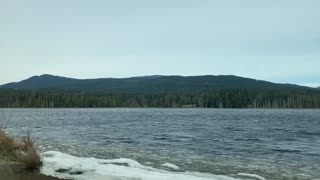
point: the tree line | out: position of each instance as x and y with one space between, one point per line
223 98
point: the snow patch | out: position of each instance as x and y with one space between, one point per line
70 167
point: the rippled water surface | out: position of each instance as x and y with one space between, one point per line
275 144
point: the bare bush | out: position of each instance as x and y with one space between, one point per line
31 159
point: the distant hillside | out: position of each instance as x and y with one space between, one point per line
47 91
144 84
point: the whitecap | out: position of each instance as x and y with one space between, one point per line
255 176
171 166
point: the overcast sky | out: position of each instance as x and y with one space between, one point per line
274 40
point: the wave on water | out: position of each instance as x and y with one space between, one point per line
66 166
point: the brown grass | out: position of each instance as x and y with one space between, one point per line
23 151
31 159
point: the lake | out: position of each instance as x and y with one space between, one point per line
187 143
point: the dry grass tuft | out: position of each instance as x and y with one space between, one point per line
7 150
23 151
30 156
16 150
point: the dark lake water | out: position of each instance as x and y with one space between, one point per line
274 144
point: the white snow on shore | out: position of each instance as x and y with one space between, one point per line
66 166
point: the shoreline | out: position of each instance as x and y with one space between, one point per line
28 177
14 171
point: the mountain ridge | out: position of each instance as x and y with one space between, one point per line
153 83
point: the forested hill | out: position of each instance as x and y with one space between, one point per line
146 84
48 91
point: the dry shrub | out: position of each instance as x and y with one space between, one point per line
24 151
30 156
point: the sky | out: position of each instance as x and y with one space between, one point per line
274 40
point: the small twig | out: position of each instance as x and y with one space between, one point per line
4 122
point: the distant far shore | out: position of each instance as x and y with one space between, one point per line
49 91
